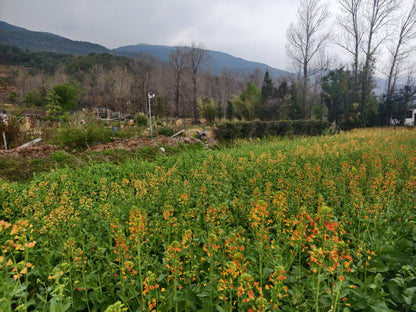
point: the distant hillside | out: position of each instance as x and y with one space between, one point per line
43 41
35 61
46 42
217 61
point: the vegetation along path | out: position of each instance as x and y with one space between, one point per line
306 224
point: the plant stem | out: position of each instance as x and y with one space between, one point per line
317 291
337 297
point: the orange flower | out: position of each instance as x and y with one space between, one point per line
250 294
330 226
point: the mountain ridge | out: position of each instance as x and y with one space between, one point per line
221 60
49 42
45 41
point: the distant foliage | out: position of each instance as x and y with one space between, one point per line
34 98
208 110
60 99
248 105
67 96
85 63
258 129
229 113
36 61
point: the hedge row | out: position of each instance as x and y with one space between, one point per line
257 129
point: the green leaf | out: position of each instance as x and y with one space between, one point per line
219 309
161 277
43 299
66 306
394 290
203 294
54 306
407 299
408 295
380 306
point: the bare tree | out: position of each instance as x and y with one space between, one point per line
378 15
352 31
177 62
256 76
144 66
364 24
196 55
120 88
306 39
403 47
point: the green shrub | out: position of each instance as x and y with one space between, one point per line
141 120
257 129
208 109
81 138
276 128
166 131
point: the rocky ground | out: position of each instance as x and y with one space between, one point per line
42 150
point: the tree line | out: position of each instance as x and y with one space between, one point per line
320 88
117 83
364 32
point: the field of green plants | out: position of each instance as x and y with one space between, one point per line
303 224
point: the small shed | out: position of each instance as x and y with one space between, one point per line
410 118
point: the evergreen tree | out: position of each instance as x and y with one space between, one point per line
220 111
160 107
267 89
229 113
66 97
394 107
268 102
248 104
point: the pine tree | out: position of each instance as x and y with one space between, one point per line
229 113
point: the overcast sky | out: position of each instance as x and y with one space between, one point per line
253 30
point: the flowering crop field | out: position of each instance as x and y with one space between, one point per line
304 224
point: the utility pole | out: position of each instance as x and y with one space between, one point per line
150 95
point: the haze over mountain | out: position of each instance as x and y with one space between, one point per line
216 61
44 41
